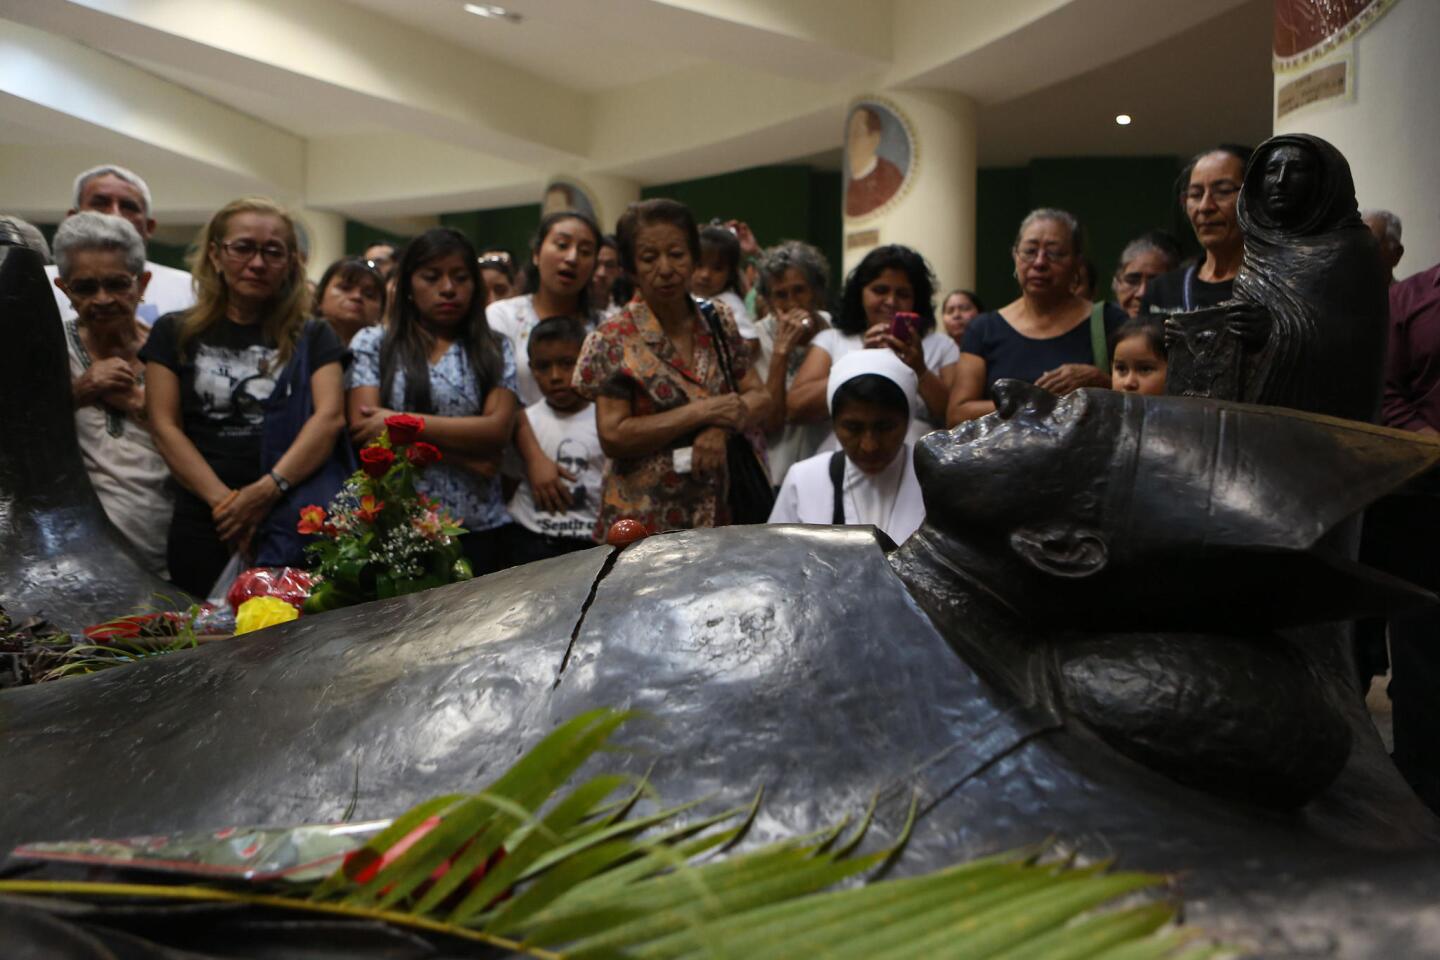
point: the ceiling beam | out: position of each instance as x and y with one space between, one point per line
339 57
78 94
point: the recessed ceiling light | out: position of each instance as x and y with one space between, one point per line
492 12
1123 119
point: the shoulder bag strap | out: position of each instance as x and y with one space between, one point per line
722 349
837 482
1098 348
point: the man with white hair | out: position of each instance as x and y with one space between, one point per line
114 191
1386 228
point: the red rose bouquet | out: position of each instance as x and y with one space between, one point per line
381 537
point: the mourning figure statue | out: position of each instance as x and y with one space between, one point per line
1307 326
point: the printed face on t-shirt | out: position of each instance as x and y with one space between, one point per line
233 383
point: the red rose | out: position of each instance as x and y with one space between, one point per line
423 454
375 461
404 428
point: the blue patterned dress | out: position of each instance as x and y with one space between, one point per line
475 501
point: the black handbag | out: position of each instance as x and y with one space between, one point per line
751 496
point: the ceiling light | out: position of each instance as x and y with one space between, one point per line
492 12
1123 119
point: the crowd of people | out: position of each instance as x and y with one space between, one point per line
640 374
649 374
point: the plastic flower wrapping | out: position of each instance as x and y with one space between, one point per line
380 537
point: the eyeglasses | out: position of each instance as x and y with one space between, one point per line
243 251
1221 190
113 285
1135 278
1031 254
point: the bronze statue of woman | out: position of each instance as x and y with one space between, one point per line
1307 326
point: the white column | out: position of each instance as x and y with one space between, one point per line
1390 129
611 196
327 239
935 209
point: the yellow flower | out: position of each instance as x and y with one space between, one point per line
260 612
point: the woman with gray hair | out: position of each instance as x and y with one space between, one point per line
101 269
1052 336
1148 256
793 278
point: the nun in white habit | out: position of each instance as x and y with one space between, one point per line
871 478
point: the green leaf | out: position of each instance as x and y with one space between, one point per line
845 911
522 847
1089 936
1002 927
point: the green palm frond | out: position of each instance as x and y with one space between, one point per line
537 870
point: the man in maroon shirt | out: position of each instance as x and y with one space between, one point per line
1404 530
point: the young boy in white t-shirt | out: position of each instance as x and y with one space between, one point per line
561 518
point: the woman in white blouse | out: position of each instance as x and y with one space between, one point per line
871 478
891 279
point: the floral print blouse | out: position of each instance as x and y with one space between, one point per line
475 501
630 357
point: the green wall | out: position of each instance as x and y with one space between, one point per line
510 227
359 235
787 202
1115 198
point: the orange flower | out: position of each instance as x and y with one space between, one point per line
312 519
370 508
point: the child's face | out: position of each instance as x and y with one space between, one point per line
709 277
1136 369
553 363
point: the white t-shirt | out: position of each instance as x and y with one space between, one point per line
939 349
125 468
571 440
514 318
169 290
890 500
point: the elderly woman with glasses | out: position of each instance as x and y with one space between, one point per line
1052 336
210 373
101 269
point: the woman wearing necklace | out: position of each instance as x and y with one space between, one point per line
101 267
657 371
871 478
1209 194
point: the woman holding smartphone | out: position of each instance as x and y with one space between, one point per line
889 302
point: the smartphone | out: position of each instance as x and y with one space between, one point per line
904 326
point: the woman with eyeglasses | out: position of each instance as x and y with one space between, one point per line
210 372
101 268
1209 195
1144 259
1052 336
